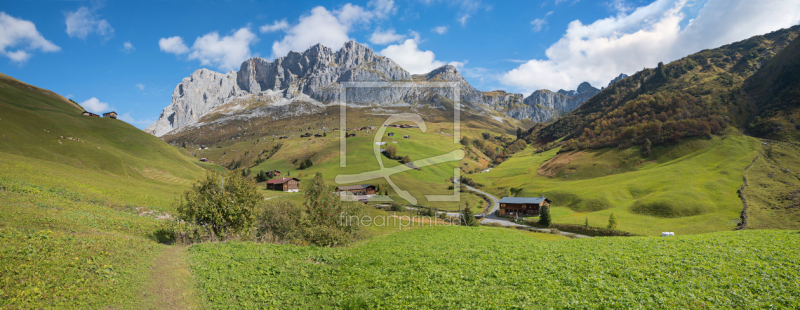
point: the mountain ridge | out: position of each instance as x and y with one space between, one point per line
315 76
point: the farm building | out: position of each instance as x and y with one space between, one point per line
274 173
87 113
363 189
391 134
204 159
407 137
111 114
522 205
284 184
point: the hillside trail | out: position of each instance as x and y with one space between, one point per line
170 281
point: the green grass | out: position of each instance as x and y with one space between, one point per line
431 180
77 218
688 188
773 194
482 267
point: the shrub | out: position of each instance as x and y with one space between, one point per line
555 231
280 221
391 152
223 205
612 222
406 159
544 217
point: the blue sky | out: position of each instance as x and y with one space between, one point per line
129 56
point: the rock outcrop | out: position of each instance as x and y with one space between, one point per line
317 76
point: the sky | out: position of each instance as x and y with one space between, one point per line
129 56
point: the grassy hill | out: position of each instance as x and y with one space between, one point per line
263 154
80 199
488 268
687 188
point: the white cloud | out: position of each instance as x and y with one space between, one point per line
385 37
465 8
410 57
321 26
226 52
329 28
84 22
126 117
628 42
128 47
382 8
173 45
538 24
21 35
276 26
440 29
94 105
140 86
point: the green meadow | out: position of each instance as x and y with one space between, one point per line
501 268
688 188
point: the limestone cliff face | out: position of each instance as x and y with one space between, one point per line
544 105
262 88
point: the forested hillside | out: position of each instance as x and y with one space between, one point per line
698 95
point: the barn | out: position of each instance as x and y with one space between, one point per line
111 114
291 185
522 205
362 189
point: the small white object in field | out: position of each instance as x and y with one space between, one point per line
98 147
59 142
667 234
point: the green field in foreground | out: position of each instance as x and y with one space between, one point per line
483 267
688 188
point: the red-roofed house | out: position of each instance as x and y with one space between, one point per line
291 185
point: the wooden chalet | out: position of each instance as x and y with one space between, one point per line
273 173
522 205
111 114
291 185
363 189
87 113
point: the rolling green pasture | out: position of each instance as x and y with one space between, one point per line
499 268
773 194
688 188
324 152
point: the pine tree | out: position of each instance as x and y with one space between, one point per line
612 222
468 217
544 216
661 72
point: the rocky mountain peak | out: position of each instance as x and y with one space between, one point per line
586 87
447 72
619 77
